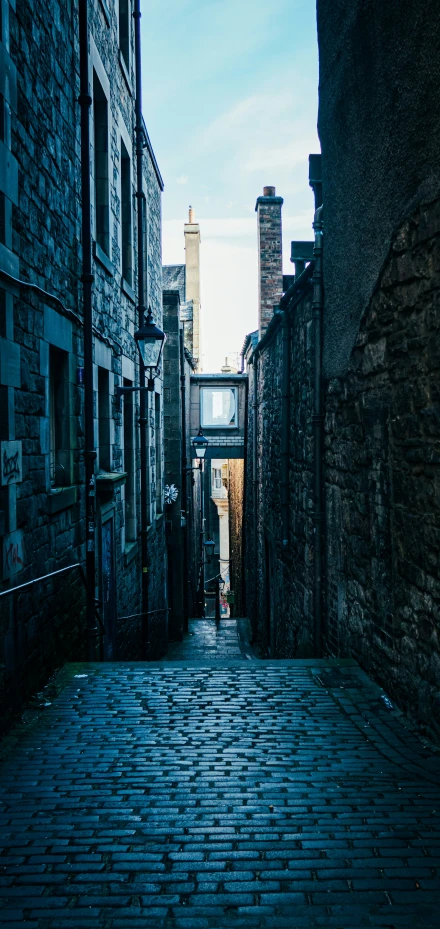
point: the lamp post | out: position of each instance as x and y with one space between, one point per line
200 444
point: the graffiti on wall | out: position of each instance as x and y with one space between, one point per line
13 554
11 465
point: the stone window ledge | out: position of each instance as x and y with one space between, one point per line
128 290
131 550
60 498
102 259
107 481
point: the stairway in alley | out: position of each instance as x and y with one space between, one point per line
207 640
195 793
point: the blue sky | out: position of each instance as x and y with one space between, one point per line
230 102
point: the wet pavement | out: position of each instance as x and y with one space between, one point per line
209 640
196 793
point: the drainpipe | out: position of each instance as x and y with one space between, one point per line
184 480
141 309
255 479
285 421
87 278
317 421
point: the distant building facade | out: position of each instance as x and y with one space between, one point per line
186 279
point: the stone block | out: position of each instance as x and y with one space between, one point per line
10 363
57 329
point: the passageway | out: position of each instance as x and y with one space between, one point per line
230 793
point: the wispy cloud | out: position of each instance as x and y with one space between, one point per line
182 179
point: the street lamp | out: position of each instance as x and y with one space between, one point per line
200 444
149 340
209 549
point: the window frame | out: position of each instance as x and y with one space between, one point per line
101 171
207 425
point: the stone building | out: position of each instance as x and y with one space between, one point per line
236 498
186 279
342 504
42 390
181 483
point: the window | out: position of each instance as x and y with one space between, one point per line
130 511
158 444
104 457
124 30
218 406
126 217
59 418
100 120
217 478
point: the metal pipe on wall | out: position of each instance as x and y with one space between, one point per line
285 430
141 309
87 279
255 476
184 480
317 421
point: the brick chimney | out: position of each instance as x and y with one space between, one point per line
270 255
192 261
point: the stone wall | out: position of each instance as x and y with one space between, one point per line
236 498
279 578
379 126
42 512
382 434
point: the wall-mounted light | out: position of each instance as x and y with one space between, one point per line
200 444
209 549
150 340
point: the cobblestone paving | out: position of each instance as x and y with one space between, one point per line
207 640
249 794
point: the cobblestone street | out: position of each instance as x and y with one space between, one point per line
211 641
228 793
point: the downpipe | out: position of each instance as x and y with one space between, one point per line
317 423
285 421
87 279
255 484
141 310
184 480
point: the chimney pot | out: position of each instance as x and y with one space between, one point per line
192 217
268 191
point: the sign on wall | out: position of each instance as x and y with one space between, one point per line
11 464
13 554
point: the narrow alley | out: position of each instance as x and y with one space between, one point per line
217 791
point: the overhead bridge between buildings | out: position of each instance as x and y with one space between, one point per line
218 406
